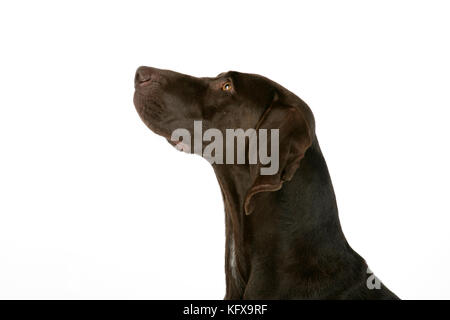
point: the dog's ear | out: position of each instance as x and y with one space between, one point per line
295 137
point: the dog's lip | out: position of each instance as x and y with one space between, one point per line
145 83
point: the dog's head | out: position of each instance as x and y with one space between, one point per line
167 101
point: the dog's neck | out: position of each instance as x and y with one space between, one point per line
300 221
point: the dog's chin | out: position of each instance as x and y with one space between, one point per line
154 126
150 118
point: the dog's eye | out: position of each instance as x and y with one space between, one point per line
226 86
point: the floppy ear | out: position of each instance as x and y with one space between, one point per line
295 137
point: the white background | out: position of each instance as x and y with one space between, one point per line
94 205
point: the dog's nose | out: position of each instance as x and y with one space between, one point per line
146 75
143 74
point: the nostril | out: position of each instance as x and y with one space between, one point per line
146 76
143 74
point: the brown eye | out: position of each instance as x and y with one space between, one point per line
226 86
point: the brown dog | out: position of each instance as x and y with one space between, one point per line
283 236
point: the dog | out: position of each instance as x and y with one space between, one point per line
283 235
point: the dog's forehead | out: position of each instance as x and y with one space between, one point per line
235 75
227 74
